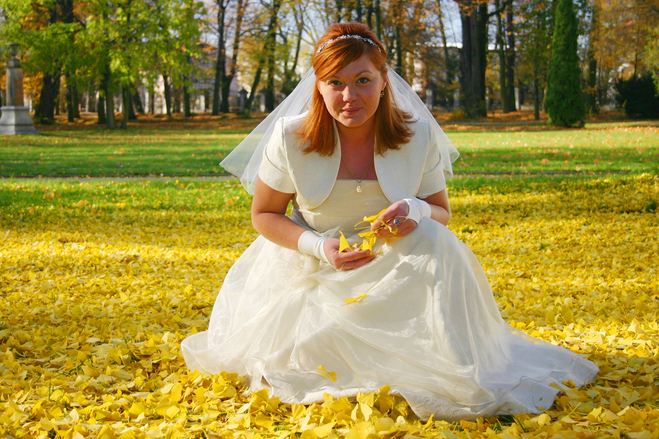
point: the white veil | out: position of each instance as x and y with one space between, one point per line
244 161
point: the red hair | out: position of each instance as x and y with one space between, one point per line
316 131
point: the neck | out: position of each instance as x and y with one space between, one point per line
359 136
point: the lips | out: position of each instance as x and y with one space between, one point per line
350 111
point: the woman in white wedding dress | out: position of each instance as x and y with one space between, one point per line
426 322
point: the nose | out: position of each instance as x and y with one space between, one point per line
349 94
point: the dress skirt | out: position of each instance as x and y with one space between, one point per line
427 325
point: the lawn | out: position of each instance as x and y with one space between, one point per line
177 148
100 280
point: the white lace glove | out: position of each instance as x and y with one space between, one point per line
311 244
419 209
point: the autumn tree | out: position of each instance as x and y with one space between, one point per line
652 54
47 31
534 32
620 33
564 102
475 16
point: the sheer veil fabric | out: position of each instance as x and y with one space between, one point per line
427 323
245 160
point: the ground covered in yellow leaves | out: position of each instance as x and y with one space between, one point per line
101 280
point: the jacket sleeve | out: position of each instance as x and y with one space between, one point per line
433 179
274 170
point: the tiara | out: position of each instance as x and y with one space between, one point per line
343 37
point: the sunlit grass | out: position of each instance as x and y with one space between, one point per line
190 151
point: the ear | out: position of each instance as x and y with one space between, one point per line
385 79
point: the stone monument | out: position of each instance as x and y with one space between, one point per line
15 115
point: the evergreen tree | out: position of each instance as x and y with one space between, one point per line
564 102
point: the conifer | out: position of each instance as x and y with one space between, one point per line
564 101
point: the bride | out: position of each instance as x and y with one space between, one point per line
416 311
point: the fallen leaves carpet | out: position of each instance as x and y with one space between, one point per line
101 280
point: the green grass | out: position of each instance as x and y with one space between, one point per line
97 151
192 151
25 200
629 150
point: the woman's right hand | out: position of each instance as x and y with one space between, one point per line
346 260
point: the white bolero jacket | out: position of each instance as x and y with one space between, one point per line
413 170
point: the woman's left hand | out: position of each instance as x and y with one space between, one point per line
397 212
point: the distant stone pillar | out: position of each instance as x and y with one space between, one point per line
430 98
15 115
242 99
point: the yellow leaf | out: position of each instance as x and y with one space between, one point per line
343 243
383 425
366 411
354 434
172 411
544 419
264 421
298 410
341 405
46 425
371 219
137 408
324 430
366 398
106 433
609 416
355 299
329 375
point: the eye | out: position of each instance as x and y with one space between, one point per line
333 82
363 80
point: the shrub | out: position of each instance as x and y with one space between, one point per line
638 96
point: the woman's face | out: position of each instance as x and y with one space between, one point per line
352 94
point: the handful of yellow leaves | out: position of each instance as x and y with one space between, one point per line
369 237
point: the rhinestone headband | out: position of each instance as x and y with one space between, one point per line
343 37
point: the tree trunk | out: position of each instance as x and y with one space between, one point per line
45 110
168 95
226 85
186 102
510 62
502 61
137 101
369 14
255 84
378 19
448 68
536 100
66 14
56 92
125 98
473 57
220 64
102 120
290 79
270 54
176 99
339 10
109 105
397 13
152 102
591 76
70 100
131 107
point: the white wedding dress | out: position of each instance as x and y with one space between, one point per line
428 326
